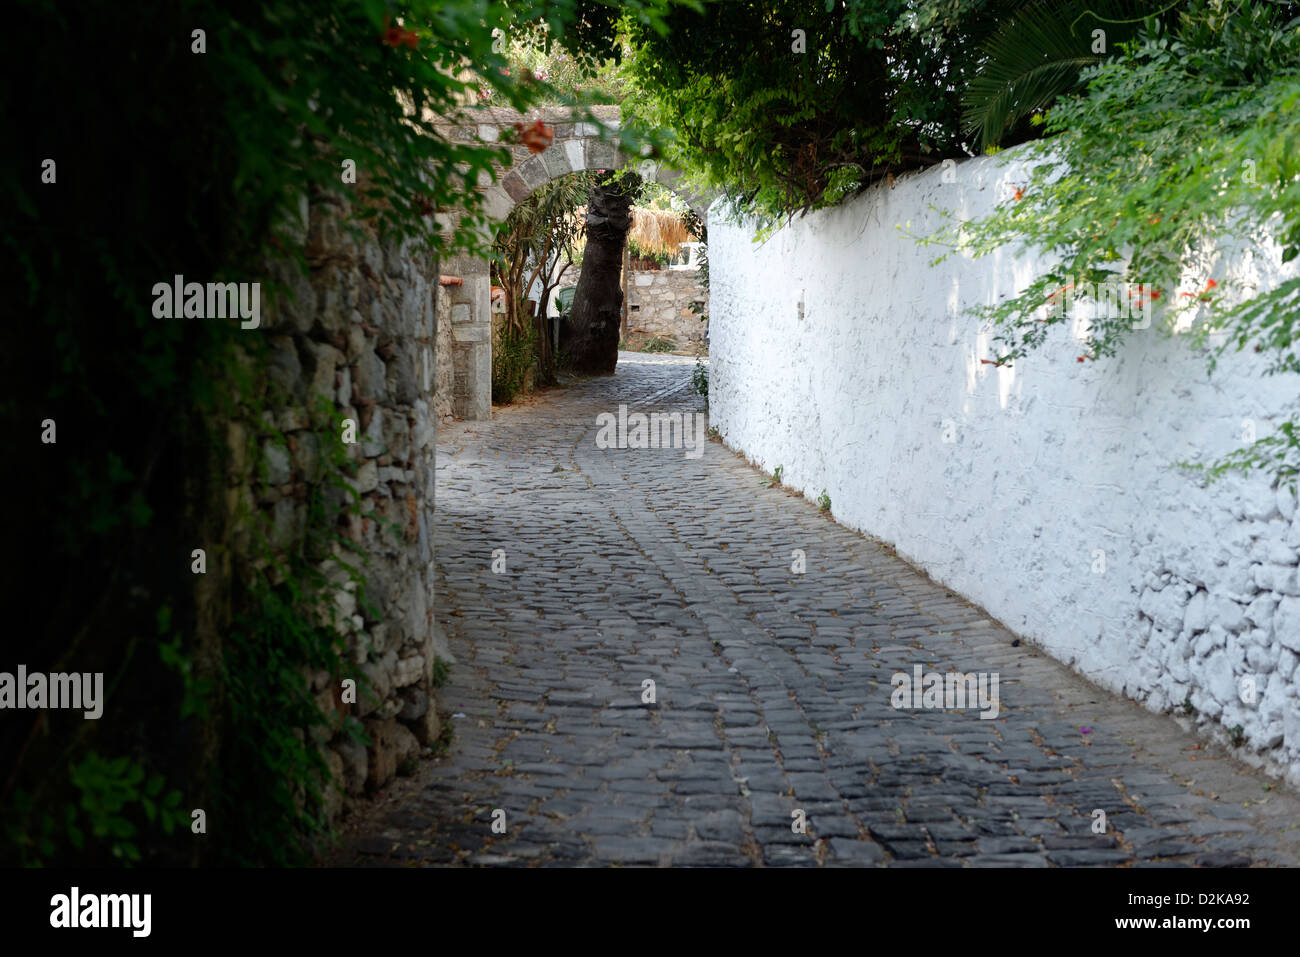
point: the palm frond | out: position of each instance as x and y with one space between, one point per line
1038 55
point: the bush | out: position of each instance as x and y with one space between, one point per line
514 359
1185 142
178 160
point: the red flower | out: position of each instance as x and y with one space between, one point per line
1080 359
396 36
1210 284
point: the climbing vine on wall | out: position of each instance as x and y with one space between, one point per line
199 130
1186 141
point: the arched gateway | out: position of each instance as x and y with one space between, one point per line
577 145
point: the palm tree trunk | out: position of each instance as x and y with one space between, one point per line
591 339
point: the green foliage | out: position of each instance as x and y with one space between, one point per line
441 671
570 79
178 162
700 380
1037 54
272 788
659 344
634 251
1184 144
194 702
109 790
513 360
824 501
114 802
564 299
876 91
695 225
446 734
536 245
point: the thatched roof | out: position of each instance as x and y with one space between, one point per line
658 231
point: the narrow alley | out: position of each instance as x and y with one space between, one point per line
770 738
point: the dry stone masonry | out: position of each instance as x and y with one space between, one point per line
359 334
394 345
659 305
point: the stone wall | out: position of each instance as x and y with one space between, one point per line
659 304
361 333
579 144
1045 491
444 375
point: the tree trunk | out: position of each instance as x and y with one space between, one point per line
590 336
542 326
545 352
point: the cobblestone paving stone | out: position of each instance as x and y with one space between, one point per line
773 688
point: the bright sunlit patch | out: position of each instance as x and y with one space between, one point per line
1006 384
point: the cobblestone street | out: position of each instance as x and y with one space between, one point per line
772 688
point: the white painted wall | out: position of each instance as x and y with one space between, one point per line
1051 461
557 268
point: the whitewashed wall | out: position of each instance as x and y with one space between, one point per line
841 354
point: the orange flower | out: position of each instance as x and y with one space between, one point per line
537 136
1019 192
396 36
1210 284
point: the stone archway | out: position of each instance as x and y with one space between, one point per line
578 145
